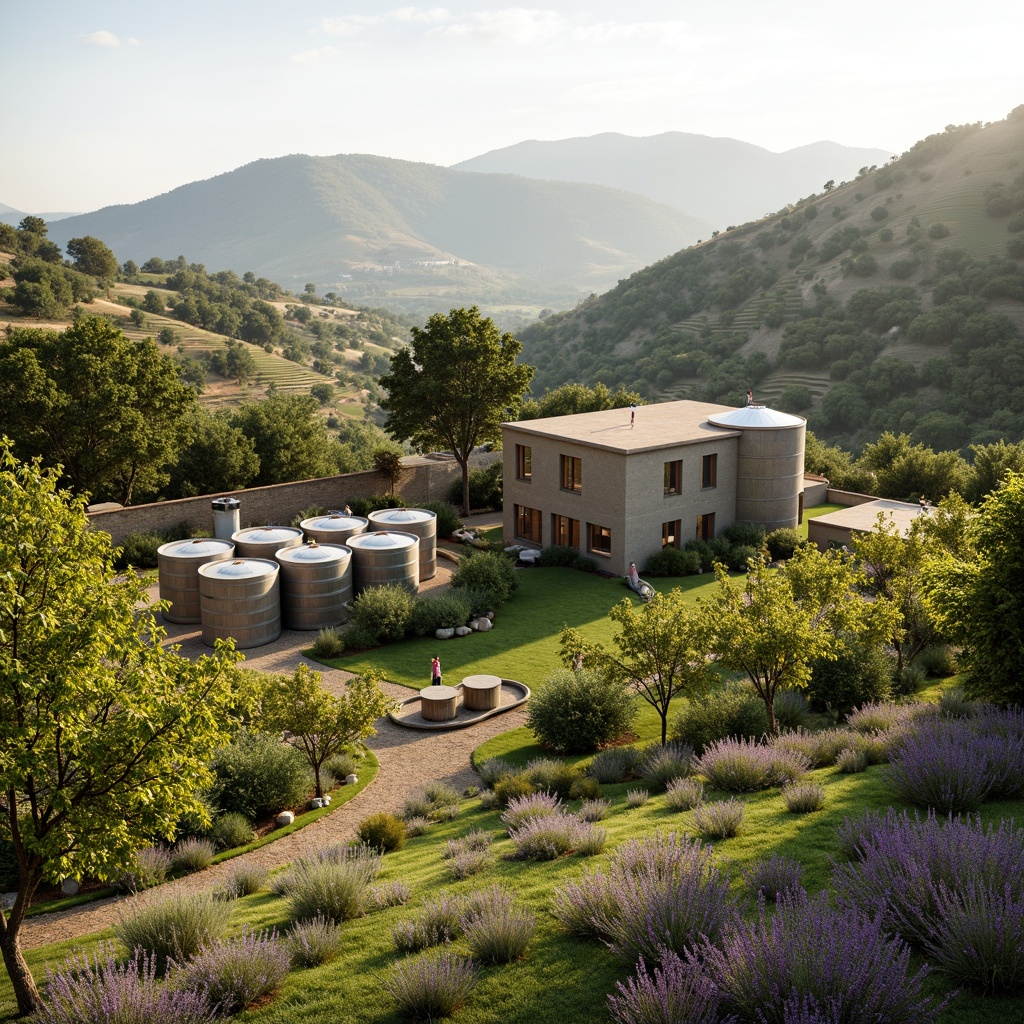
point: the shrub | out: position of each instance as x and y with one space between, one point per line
416 826
637 797
746 534
479 600
244 880
488 800
733 711
448 520
139 550
684 794
429 801
673 562
257 775
510 787
851 760
783 542
447 610
769 878
545 838
484 487
383 613
861 673
469 862
173 929
492 572
576 712
341 766
878 717
495 930
231 829
809 962
103 990
475 840
329 644
551 776
149 867
581 906
740 766
585 788
383 832
913 860
704 553
192 855
494 769
432 987
590 839
332 889
803 797
819 748
674 993
720 819
937 661
791 709
524 808
594 810
617 764
938 230
236 972
663 763
314 942
440 921
558 556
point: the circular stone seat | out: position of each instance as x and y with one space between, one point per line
481 693
438 703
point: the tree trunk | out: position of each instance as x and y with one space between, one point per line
664 726
464 463
23 983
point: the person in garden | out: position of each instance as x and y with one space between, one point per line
435 671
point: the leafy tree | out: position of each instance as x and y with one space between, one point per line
573 398
93 257
105 734
130 269
240 362
454 386
290 438
976 594
153 302
907 471
323 392
776 622
106 409
46 290
387 460
991 464
318 724
661 650
215 456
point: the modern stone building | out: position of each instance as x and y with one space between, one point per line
621 491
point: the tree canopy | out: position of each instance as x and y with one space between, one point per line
454 385
93 257
106 409
105 734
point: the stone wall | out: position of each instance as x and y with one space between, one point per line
849 498
423 479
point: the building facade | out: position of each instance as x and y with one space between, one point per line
620 486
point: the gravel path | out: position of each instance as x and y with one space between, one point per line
407 757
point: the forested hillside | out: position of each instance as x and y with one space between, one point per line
891 302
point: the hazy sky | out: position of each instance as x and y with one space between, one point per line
113 102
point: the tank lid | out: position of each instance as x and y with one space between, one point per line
225 504
239 568
755 417
314 553
383 540
200 547
267 535
402 515
338 522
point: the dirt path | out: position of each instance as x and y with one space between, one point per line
407 757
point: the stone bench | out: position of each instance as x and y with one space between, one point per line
481 693
438 703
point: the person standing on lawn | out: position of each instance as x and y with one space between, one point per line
435 671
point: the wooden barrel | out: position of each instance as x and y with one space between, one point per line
385 557
418 521
265 541
438 703
178 563
481 693
240 598
333 528
316 581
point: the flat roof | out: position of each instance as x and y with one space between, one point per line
663 425
863 518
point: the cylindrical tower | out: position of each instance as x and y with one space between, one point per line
179 562
419 521
265 541
385 557
316 581
333 528
240 598
770 464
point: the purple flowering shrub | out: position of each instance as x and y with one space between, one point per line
432 986
582 905
720 819
496 930
661 763
673 993
684 794
236 972
101 990
743 766
803 797
820 748
769 878
810 962
525 808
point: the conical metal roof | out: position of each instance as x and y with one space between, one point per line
755 417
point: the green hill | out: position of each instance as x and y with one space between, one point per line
891 302
371 226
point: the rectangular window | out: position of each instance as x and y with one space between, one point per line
524 462
706 526
565 531
599 539
528 523
670 535
674 477
572 473
709 471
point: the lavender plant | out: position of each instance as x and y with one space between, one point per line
440 921
617 764
581 906
496 931
469 862
389 894
243 880
661 763
432 987
684 794
673 993
637 797
334 889
416 826
314 942
720 819
494 769
594 810
590 839
101 990
809 961
236 972
768 879
743 766
851 760
173 929
803 797
149 867
527 808
820 748
192 855
545 838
